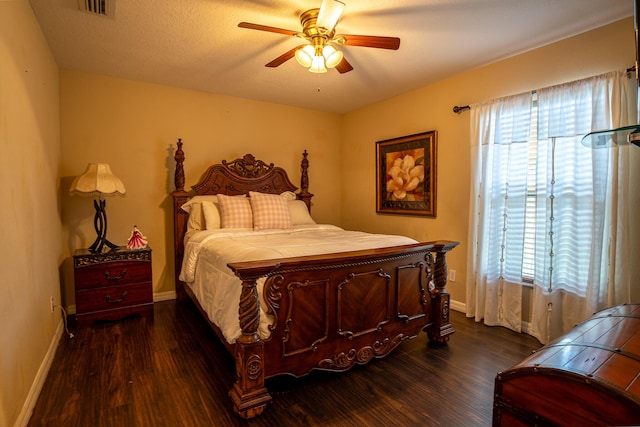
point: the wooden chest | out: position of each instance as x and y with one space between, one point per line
112 285
589 377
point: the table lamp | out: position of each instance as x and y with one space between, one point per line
98 182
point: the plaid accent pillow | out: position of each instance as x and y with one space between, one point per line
235 212
270 211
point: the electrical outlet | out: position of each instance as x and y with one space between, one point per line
452 275
53 305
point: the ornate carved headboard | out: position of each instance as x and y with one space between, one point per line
232 178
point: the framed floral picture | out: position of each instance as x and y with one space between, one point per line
406 175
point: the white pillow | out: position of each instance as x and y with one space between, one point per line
211 214
235 211
196 220
289 195
194 207
270 211
198 199
299 213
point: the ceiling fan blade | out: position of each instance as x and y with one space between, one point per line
344 66
259 27
284 57
378 42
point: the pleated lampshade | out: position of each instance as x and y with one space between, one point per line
96 181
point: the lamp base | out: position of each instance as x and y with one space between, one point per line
99 245
100 224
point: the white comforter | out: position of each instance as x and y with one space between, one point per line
207 253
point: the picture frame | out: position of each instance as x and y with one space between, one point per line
406 173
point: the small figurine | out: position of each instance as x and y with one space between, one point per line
136 239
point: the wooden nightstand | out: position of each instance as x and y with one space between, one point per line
112 285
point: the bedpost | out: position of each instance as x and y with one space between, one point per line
249 395
178 177
304 194
440 329
180 218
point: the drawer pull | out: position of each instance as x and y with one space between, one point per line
122 273
116 301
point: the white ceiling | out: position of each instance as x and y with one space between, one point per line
196 44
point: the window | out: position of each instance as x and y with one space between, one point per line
547 211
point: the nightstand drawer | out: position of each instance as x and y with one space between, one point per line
112 285
113 297
112 274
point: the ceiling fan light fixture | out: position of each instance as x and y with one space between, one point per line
332 56
318 30
305 55
317 65
328 16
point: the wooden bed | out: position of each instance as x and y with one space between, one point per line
320 320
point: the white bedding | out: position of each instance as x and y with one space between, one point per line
207 253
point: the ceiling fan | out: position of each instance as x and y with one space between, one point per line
318 30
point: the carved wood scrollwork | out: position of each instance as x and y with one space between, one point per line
253 367
345 360
113 256
248 166
445 310
243 175
272 295
233 189
428 265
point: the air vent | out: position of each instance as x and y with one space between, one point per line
104 8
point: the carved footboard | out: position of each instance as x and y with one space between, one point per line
332 312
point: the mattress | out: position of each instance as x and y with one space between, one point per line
207 253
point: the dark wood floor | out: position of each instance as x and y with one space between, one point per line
172 371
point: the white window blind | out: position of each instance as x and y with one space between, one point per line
528 255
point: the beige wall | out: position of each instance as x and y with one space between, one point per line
29 219
134 126
430 108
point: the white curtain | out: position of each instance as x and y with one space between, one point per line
581 247
500 133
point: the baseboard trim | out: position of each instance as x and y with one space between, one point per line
164 296
458 306
41 376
